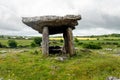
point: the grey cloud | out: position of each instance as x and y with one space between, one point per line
103 21
96 17
8 20
111 21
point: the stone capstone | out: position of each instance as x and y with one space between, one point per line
56 24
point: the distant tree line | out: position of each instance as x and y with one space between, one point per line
16 37
108 35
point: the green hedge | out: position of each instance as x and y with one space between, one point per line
92 46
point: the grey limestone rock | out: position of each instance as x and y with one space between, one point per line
112 78
56 24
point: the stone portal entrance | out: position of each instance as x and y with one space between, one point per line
49 25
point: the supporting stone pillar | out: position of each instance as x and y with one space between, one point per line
45 41
68 41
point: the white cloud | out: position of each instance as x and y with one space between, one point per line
98 16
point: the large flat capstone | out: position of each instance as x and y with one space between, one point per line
56 24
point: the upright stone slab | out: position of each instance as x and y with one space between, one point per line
49 25
45 41
68 41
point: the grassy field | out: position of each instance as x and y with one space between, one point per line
77 38
87 64
19 42
88 38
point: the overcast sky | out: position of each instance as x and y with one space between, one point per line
98 16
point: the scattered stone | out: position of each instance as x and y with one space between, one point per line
112 78
117 51
76 48
61 58
101 52
108 49
3 51
116 54
1 79
17 51
21 51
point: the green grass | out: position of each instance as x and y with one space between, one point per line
83 66
24 42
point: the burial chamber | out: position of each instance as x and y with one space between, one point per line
49 25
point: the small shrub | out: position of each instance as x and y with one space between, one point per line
98 39
61 40
38 40
108 43
118 45
115 43
1 46
33 44
102 43
76 40
92 46
12 43
80 43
